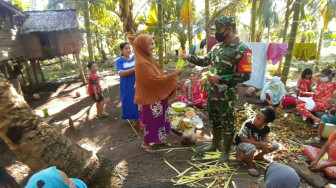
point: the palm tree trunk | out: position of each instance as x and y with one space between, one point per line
253 20
292 39
288 11
37 144
88 29
189 27
160 30
287 14
319 49
207 18
80 69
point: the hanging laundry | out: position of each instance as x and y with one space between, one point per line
305 51
259 64
276 51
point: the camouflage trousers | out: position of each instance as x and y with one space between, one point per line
221 109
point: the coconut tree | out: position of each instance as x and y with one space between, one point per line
291 42
160 29
328 12
187 17
35 143
88 29
207 19
288 12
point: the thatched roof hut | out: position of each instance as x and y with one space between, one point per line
49 34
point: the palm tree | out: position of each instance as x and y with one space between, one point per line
160 27
292 38
327 10
88 29
37 144
207 19
187 16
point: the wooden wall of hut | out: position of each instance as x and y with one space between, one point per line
69 42
32 45
10 44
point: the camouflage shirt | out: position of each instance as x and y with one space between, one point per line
222 96
225 59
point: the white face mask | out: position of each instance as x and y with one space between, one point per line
325 79
275 86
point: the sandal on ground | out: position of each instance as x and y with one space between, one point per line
103 116
163 143
315 125
147 148
253 172
134 123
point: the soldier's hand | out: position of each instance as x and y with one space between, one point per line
214 79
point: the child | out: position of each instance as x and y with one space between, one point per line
126 71
193 89
94 90
320 161
304 84
254 135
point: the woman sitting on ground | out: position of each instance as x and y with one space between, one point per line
193 90
323 159
323 93
274 93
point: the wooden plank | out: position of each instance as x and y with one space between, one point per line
9 42
312 178
12 54
5 34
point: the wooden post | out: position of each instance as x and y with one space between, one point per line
33 64
28 74
80 69
40 70
61 61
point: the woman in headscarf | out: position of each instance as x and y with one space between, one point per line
153 88
274 93
51 177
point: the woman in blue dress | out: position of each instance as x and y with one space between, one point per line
125 68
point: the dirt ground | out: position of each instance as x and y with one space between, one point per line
114 138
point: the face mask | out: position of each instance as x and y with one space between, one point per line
325 79
275 86
220 37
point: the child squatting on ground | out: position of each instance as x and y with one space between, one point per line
254 135
95 90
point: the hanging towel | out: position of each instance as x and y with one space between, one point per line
259 64
276 51
305 51
310 104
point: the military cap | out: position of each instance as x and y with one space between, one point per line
223 21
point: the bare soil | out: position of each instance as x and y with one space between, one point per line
114 139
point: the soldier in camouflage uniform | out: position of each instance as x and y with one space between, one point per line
222 87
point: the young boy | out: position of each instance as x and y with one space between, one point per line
94 90
254 135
